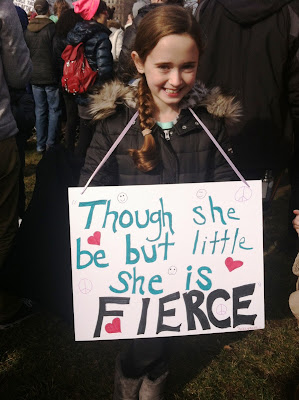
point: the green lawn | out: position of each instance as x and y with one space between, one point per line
39 359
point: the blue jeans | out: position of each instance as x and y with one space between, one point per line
47 113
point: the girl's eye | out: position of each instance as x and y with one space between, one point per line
164 67
189 66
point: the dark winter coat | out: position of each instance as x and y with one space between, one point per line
251 51
22 107
22 17
189 155
15 65
97 49
59 44
39 38
97 46
126 70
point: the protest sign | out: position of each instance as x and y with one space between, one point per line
27 5
166 260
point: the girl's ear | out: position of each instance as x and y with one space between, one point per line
138 63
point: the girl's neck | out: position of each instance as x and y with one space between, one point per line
168 115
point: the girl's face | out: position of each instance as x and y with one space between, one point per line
170 70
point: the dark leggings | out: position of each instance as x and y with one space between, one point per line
72 118
85 136
146 357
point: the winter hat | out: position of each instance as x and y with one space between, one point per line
86 8
41 6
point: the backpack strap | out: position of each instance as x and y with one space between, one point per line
112 148
70 52
226 157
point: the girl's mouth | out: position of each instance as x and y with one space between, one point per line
172 91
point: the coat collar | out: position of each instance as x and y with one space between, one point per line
110 95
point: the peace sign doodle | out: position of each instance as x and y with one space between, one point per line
85 286
221 309
244 193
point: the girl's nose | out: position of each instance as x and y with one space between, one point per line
175 78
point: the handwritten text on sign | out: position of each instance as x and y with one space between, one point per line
166 260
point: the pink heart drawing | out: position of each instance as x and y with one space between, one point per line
95 239
114 327
231 264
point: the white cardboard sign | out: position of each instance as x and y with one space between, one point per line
27 5
166 260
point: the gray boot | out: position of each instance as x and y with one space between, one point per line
125 388
153 390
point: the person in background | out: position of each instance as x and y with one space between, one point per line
165 145
15 72
22 17
129 21
31 15
60 6
252 50
65 24
94 34
116 37
126 71
53 18
39 38
110 12
137 5
22 106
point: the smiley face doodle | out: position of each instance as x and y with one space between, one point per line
172 270
201 193
122 197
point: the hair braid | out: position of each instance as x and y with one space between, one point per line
145 158
145 102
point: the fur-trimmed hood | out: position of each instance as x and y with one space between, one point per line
104 102
38 23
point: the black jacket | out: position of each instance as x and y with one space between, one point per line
97 49
59 44
189 155
97 46
251 51
39 38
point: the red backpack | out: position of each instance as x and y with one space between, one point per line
77 73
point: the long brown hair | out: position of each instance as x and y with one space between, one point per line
60 6
66 22
158 23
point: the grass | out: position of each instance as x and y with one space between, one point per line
39 359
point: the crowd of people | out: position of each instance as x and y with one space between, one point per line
234 63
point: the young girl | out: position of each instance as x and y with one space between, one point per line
166 144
